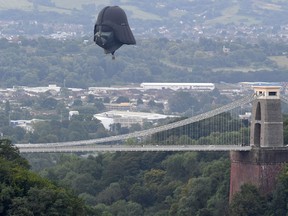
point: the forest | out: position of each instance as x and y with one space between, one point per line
148 184
80 63
129 184
164 183
143 183
158 183
147 14
23 192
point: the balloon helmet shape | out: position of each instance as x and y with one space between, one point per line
112 30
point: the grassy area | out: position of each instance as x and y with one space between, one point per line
230 15
281 61
28 6
268 6
172 65
242 69
177 13
15 4
228 69
65 6
54 9
78 4
137 13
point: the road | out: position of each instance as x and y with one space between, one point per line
131 148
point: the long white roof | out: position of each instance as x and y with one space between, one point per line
178 84
125 114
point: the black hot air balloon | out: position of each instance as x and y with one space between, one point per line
112 30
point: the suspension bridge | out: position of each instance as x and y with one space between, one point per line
209 131
257 150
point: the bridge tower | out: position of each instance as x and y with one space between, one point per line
264 162
267 122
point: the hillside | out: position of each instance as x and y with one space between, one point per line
253 33
23 192
38 62
151 13
210 11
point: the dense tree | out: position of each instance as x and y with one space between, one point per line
11 153
247 202
4 119
49 103
182 101
285 128
124 208
71 63
25 193
122 99
77 102
278 205
148 183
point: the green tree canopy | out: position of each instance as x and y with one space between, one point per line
25 193
248 202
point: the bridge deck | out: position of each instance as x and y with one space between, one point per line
132 148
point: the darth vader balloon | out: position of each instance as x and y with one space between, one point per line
112 30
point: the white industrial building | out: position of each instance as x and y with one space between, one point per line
25 124
179 86
71 113
127 118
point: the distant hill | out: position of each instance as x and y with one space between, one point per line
208 12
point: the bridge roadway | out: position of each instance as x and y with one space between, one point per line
129 148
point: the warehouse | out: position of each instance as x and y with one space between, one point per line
179 86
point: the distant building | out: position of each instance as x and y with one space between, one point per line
25 124
71 113
157 86
225 49
179 86
249 85
120 106
51 88
127 119
246 116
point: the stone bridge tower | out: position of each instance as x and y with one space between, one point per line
263 163
267 122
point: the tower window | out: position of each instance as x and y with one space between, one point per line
272 93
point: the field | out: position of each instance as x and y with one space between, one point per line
281 61
66 6
78 4
233 13
15 4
